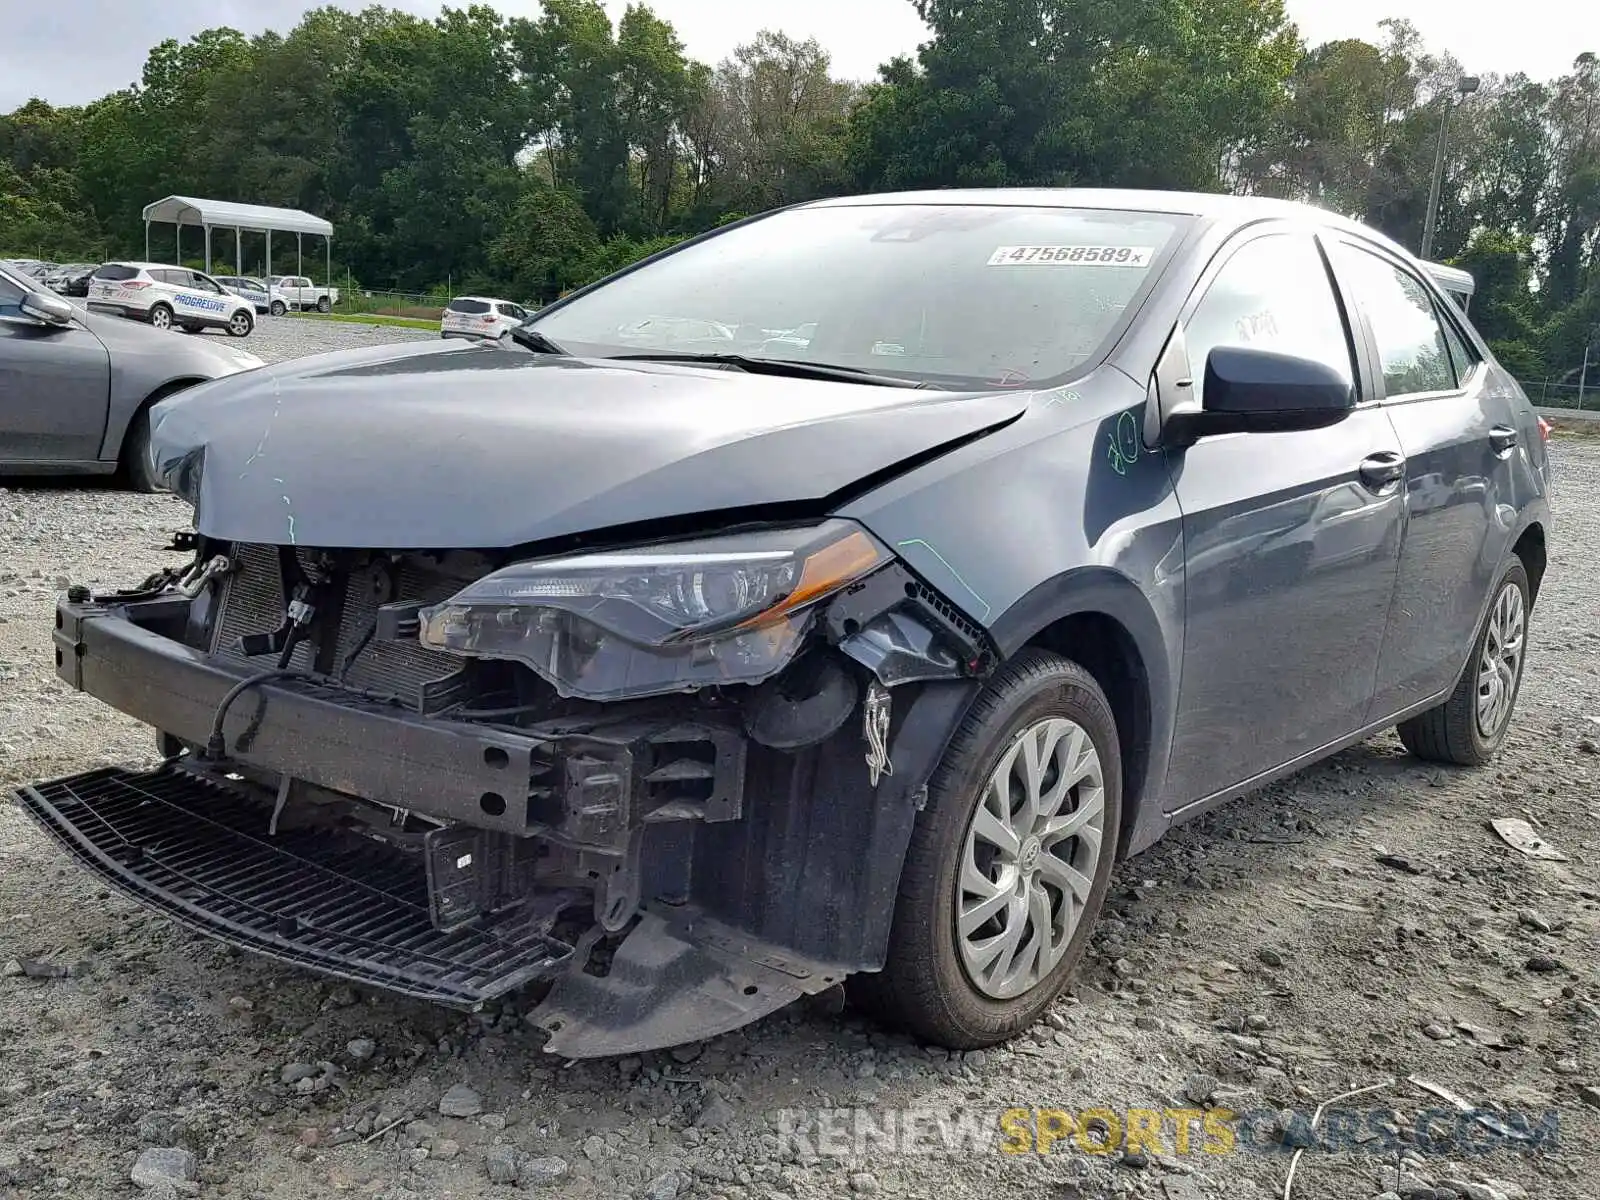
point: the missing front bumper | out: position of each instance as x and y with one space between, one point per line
758 874
336 903
349 907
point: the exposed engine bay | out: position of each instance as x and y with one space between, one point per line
376 765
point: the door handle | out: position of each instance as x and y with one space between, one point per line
1381 471
1503 438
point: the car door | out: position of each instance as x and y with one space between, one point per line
201 297
1459 434
1290 539
55 381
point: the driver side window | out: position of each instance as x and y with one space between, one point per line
1273 294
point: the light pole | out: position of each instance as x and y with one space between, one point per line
1465 86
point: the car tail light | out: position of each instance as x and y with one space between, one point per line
135 284
1544 429
489 320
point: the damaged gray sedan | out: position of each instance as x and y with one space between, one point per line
833 597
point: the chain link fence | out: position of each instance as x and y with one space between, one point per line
1547 393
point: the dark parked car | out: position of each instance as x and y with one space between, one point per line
76 387
693 677
74 281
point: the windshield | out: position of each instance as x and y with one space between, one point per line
962 296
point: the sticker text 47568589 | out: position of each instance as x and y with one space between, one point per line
1072 256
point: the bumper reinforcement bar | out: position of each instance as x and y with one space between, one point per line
332 902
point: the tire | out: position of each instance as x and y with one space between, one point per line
241 323
278 309
1468 728
324 304
136 454
930 985
191 327
160 316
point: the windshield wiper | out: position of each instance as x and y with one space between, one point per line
531 339
793 368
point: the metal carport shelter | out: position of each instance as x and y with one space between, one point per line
225 214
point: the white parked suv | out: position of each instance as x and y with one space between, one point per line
168 296
255 290
480 317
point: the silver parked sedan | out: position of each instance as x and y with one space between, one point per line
75 386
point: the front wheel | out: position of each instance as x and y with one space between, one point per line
161 316
240 324
137 469
1467 729
1009 863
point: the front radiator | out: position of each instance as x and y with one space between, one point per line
253 602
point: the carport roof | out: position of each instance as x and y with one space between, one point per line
188 210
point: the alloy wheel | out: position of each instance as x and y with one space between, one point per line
1029 858
1501 662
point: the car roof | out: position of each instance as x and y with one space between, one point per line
484 299
1217 206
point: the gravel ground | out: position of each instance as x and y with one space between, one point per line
1353 925
278 338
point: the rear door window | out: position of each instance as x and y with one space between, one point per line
1411 344
1462 356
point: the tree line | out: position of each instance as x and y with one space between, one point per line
530 155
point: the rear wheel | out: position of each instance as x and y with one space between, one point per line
324 304
241 323
161 316
1009 862
277 308
1467 729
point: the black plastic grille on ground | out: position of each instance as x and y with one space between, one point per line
337 903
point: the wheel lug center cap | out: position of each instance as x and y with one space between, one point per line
1028 858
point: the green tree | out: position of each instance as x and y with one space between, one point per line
548 243
1170 93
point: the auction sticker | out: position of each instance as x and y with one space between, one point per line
1072 256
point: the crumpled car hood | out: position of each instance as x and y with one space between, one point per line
483 447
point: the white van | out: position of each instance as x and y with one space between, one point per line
1454 282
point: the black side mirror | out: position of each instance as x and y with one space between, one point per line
1249 390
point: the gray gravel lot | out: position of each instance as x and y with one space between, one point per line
278 338
1260 959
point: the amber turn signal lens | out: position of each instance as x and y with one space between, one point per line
836 565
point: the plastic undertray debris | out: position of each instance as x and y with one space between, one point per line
336 903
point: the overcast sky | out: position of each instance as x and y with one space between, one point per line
70 51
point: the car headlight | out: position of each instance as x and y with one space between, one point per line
657 619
